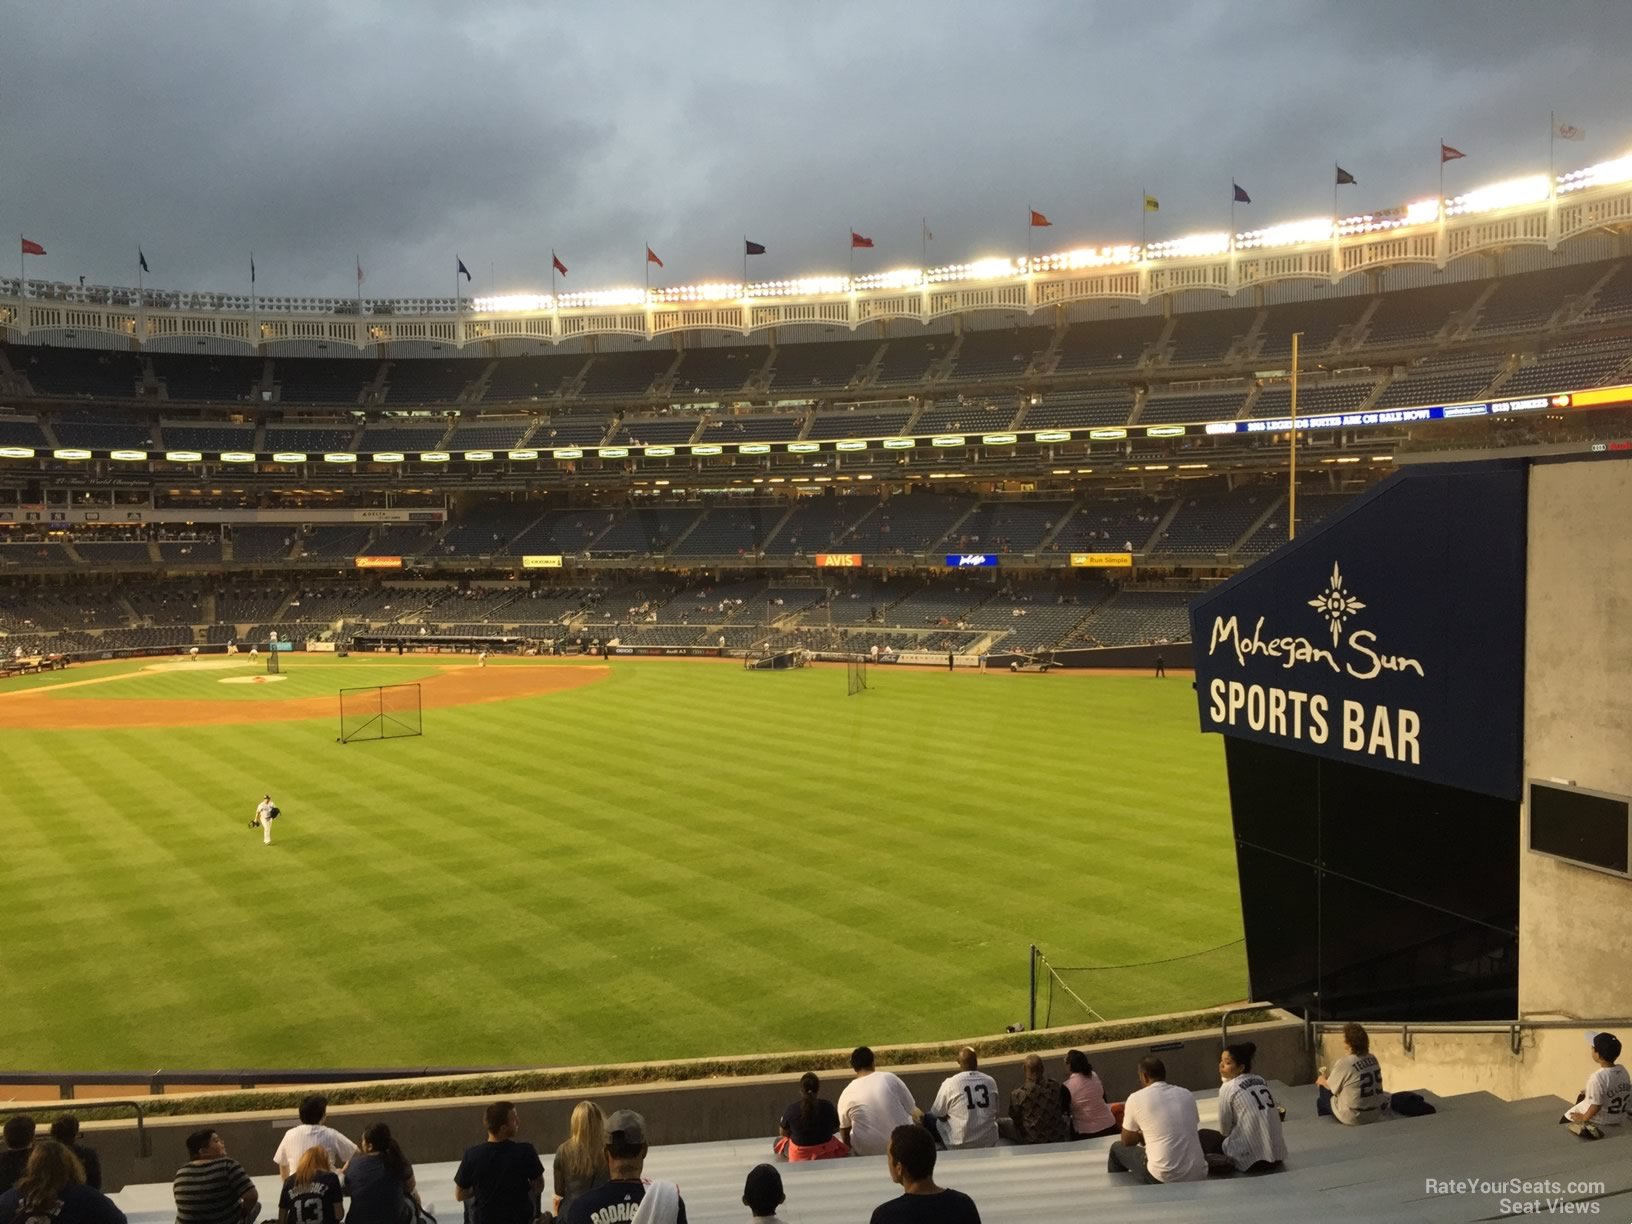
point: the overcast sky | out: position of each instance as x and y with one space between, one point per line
407 130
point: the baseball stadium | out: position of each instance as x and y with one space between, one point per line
648 695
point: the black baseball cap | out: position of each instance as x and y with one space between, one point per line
1606 1045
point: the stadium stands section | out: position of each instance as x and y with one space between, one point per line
533 377
1006 353
820 366
875 421
908 359
1212 523
424 381
625 375
1107 343
1075 409
323 380
1441 380
1194 406
215 378
721 370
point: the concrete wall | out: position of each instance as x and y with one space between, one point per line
1550 1062
1575 925
739 1108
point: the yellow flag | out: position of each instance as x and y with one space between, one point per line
1152 204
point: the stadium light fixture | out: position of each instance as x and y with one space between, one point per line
289 457
478 456
1052 435
184 456
899 443
850 444
864 476
1156 467
236 457
708 448
16 452
339 457
522 455
1511 193
754 448
946 440
434 456
128 456
568 452
613 452
387 457
798 448
70 452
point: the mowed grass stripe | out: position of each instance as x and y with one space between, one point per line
683 859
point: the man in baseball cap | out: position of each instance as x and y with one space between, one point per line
620 1199
1608 1092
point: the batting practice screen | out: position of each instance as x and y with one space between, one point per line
386 711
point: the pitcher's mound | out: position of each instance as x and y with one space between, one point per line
251 679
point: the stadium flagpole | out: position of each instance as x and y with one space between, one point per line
852 277
1292 474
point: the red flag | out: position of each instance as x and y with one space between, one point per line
856 240
1446 153
32 248
561 267
1037 219
651 257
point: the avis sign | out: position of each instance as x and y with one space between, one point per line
1390 636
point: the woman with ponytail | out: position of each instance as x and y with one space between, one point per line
809 1129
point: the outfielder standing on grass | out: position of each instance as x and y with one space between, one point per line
265 813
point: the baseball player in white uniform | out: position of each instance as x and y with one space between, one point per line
265 813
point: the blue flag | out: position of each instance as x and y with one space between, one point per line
463 271
753 248
142 259
1241 196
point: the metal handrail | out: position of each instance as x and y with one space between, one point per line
1515 1029
144 1144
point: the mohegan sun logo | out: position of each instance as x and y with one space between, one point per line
1336 604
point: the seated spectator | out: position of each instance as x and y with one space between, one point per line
65 1130
504 1176
1353 1093
1608 1092
312 1133
1038 1109
912 1167
626 1192
379 1180
809 1129
1161 1139
212 1187
311 1194
872 1105
1249 1119
52 1188
1091 1117
964 1114
580 1162
762 1193
19 1136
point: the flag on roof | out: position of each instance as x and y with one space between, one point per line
252 269
856 240
651 257
1241 196
1568 131
752 248
555 262
359 270
1037 218
462 271
1343 177
32 248
1152 204
1446 153
928 237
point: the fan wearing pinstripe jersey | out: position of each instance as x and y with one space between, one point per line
1248 1116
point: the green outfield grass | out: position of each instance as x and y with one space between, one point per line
685 859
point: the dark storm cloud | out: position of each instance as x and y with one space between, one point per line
407 131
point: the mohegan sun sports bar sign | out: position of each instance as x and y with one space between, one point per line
1389 635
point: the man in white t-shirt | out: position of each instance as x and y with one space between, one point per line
1608 1094
312 1133
1163 1118
872 1105
965 1110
